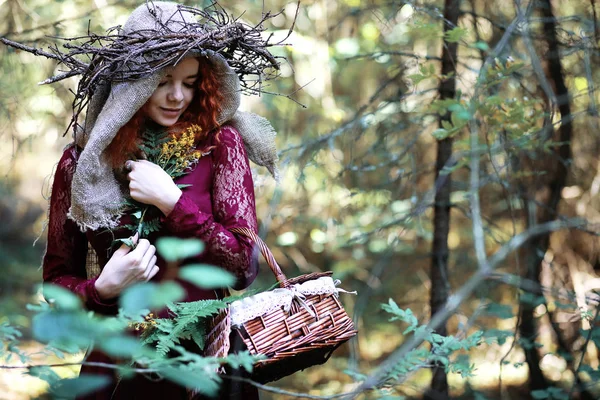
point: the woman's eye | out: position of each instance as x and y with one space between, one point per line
162 83
189 85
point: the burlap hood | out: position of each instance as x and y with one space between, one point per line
96 197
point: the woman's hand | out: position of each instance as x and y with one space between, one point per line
150 184
127 267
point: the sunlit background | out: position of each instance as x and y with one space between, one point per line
357 140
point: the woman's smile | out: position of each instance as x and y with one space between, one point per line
171 112
173 94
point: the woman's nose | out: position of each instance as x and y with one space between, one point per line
176 93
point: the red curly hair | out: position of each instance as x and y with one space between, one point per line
202 111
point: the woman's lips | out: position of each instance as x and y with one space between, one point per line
170 111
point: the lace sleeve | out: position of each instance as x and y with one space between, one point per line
66 250
233 205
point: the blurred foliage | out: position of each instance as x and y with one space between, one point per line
64 326
358 152
17 234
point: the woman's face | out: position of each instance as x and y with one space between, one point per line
173 94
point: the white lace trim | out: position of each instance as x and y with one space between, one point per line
260 304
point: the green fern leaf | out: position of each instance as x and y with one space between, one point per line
189 323
243 359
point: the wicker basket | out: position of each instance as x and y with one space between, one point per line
306 335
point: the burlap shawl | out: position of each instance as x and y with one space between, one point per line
96 198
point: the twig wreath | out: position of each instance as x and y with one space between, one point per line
117 57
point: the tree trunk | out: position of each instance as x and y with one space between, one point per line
537 247
441 220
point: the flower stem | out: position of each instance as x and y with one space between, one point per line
141 223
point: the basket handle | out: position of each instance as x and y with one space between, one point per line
281 278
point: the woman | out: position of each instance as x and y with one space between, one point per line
86 205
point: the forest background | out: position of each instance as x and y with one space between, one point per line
438 157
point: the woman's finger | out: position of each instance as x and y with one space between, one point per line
150 267
148 263
150 251
153 272
140 250
125 248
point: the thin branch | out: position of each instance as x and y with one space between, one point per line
527 285
286 392
29 49
535 60
70 364
377 54
478 235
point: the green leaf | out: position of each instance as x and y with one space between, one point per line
80 386
61 297
479 396
442 360
243 359
198 378
188 323
498 334
417 78
127 241
65 328
437 338
540 394
565 306
399 314
459 114
356 376
440 134
198 335
481 46
149 295
593 373
502 311
122 346
160 336
528 344
206 276
59 348
455 35
8 332
532 299
558 393
447 125
173 249
44 373
462 365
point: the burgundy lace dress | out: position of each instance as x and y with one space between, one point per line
221 197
